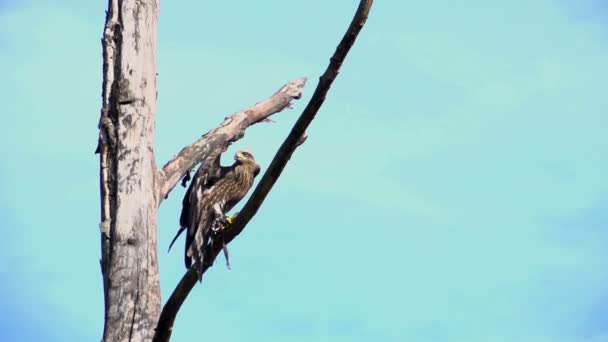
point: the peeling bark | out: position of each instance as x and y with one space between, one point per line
129 195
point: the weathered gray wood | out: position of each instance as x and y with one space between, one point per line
128 171
215 142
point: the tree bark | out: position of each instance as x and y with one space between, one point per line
129 196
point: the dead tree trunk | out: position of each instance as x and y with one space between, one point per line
128 171
133 187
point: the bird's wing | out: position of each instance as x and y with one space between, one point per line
210 194
196 216
194 201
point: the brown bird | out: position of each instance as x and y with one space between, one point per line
206 203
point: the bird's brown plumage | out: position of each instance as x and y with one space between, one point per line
207 200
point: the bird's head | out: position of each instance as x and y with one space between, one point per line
244 157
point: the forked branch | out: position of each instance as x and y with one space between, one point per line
293 140
215 142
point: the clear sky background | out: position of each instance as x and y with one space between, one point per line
453 187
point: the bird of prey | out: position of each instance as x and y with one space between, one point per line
206 203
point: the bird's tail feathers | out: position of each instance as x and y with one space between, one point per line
179 232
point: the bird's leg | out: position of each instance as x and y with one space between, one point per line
223 220
231 219
219 215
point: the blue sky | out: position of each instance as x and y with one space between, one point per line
452 188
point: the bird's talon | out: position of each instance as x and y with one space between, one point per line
221 219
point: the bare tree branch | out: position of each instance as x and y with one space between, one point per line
298 132
293 140
164 328
215 142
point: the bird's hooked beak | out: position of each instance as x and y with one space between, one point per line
239 156
243 156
